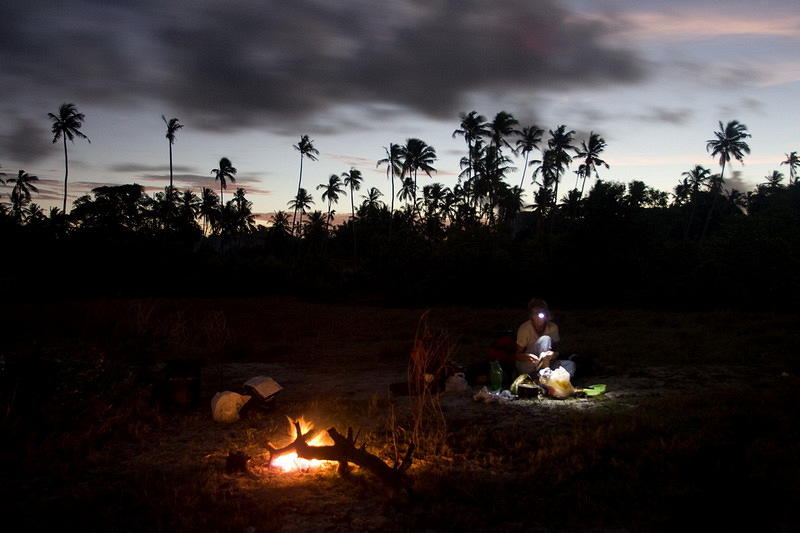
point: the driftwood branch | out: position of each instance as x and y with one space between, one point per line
344 450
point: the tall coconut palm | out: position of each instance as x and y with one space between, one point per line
728 142
173 125
330 193
226 171
500 128
353 180
473 127
67 124
417 155
531 136
560 143
392 162
301 203
590 153
306 148
794 163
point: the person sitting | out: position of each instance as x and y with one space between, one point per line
537 339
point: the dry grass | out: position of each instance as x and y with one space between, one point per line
697 419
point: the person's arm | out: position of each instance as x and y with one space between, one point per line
522 356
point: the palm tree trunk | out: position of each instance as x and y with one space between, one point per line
170 165
299 183
221 199
524 168
353 221
329 215
583 184
66 174
391 166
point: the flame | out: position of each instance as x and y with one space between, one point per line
291 461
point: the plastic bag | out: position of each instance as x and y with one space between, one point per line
225 406
556 382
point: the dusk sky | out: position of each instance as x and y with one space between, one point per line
248 78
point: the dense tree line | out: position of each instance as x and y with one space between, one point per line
702 245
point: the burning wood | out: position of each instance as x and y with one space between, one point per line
344 451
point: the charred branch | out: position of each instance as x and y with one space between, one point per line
344 451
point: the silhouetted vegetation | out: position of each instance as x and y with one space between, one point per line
703 245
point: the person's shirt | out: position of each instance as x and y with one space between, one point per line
527 335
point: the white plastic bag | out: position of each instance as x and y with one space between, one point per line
225 406
556 382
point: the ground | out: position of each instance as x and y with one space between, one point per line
698 420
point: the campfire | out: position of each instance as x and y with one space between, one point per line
290 461
310 450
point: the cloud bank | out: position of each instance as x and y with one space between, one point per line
267 63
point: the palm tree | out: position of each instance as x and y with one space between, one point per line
372 199
392 162
473 127
353 180
306 148
773 180
501 127
560 141
244 219
301 203
407 192
209 208
67 125
226 171
729 142
172 126
331 193
21 193
694 179
531 137
23 185
416 155
189 207
794 163
590 154
280 222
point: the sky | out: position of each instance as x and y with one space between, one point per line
248 78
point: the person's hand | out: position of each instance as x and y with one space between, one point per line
532 358
546 357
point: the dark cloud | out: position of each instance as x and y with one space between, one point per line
676 117
137 167
270 62
28 142
746 104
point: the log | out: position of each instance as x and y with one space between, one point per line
345 451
